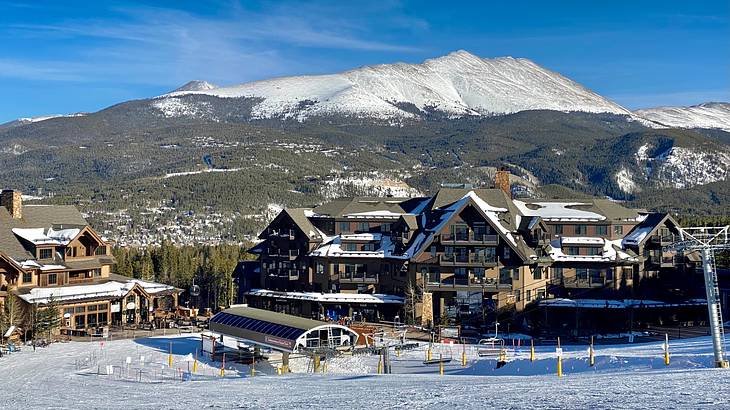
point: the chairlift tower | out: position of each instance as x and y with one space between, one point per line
707 240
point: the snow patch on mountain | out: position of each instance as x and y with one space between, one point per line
179 107
625 181
680 167
707 115
367 185
459 84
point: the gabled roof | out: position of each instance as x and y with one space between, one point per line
647 227
579 210
299 217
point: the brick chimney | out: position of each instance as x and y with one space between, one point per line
501 181
13 202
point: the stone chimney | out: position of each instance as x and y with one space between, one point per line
13 202
501 181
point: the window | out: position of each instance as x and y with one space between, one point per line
479 273
102 318
370 247
69 251
460 272
618 229
344 227
68 311
596 276
558 272
528 295
433 250
91 308
350 247
96 273
385 227
102 306
363 227
609 274
79 309
27 277
558 229
460 232
516 274
537 273
541 293
581 273
518 295
45 253
449 250
581 229
80 321
505 276
319 268
572 250
52 279
601 229
506 253
592 250
101 250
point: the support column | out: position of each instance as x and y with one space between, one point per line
285 362
713 306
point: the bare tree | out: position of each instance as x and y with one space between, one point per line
13 313
413 296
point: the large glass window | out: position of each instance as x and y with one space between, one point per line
601 229
80 321
27 277
581 273
363 227
581 229
557 272
344 227
385 227
52 279
558 229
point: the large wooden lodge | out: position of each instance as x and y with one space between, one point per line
468 255
49 253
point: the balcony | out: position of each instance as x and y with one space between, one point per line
436 282
358 277
469 238
664 239
469 259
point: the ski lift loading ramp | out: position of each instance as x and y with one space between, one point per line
279 331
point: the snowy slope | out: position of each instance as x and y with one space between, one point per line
66 376
707 115
457 84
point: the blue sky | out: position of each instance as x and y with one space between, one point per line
71 56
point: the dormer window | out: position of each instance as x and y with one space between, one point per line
45 253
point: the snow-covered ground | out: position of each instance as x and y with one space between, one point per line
64 375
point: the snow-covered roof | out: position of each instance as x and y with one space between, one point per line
612 251
382 214
111 289
361 237
558 211
638 235
41 236
582 240
330 297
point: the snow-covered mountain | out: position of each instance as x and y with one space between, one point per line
707 115
196 85
458 84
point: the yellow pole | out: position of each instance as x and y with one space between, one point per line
441 365
253 366
316 363
169 359
666 349
380 364
195 363
591 354
532 350
223 366
397 352
428 353
560 360
463 355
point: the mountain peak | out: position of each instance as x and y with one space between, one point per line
196 85
457 84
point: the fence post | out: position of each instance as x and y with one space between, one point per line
463 355
559 351
591 354
532 350
441 365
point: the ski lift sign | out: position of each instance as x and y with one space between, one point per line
559 351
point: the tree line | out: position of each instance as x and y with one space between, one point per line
208 266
